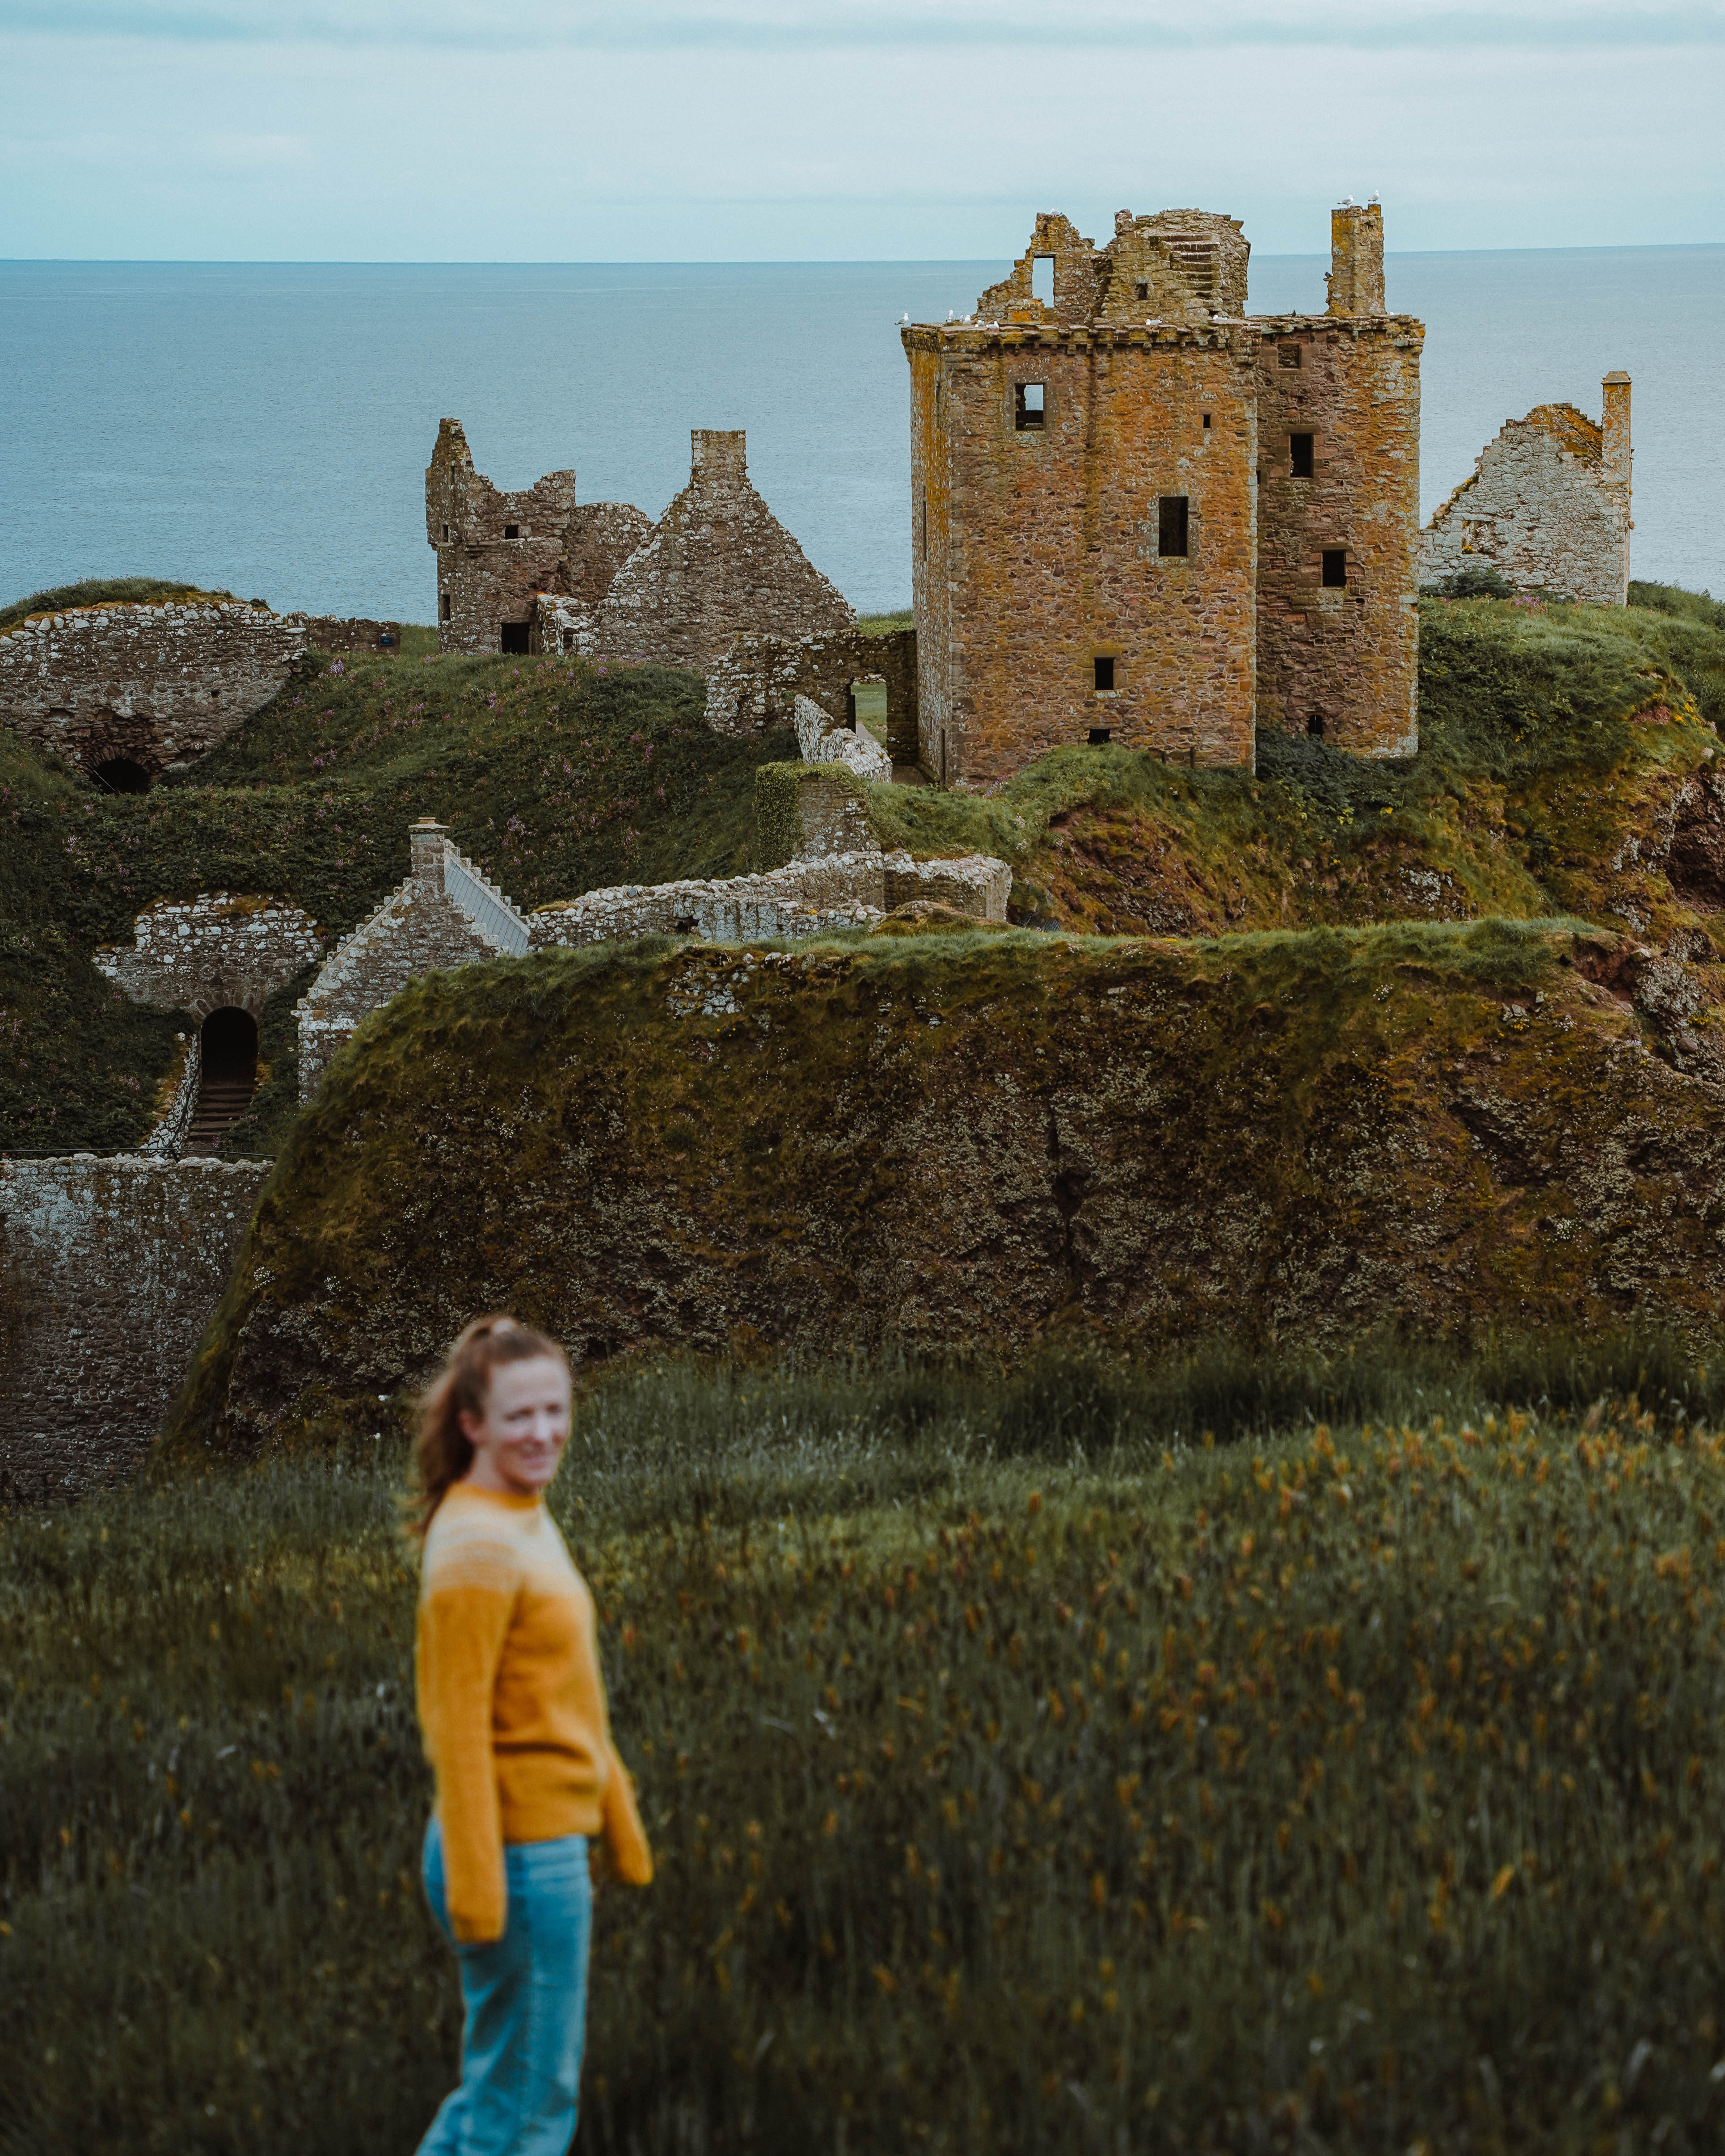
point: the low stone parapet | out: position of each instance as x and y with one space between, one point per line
806 898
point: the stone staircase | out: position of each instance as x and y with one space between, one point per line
221 1102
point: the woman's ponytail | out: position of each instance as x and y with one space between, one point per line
442 1452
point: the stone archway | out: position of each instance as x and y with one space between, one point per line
227 1049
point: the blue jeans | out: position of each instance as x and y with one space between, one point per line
525 1997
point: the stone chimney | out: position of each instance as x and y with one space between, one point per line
717 458
1614 451
426 840
1356 277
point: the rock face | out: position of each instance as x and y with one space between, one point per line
920 1140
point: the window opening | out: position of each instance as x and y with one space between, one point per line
1141 290
1335 566
515 636
1206 422
1171 525
1042 281
512 530
1287 355
1097 737
1027 405
1315 725
1105 674
119 774
446 532
445 614
1300 455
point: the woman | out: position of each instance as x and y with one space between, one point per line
512 1706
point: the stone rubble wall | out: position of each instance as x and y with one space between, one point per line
717 563
754 684
1541 512
823 741
218 949
157 684
349 633
804 898
484 579
110 1269
167 1140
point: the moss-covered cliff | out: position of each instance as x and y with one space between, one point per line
966 1138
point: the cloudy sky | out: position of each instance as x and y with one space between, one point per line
727 129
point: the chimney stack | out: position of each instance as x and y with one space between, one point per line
427 838
1356 277
717 457
1615 448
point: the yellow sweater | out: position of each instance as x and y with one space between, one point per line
512 1702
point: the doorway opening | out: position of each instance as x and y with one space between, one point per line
228 1044
119 774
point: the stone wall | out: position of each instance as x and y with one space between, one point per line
1105 541
149 686
1340 659
1547 505
110 1269
495 550
824 742
217 950
1043 551
804 898
347 633
445 913
756 684
717 563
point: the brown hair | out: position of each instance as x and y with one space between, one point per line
442 1453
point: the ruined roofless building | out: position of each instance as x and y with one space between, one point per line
496 551
1547 506
537 571
1140 515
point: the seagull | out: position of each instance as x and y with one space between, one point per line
904 321
1347 202
1374 199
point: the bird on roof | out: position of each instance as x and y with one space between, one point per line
1347 202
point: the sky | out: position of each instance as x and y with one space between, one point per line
595 130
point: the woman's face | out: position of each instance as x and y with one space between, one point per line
519 1439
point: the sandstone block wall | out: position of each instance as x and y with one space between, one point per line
1547 505
1102 540
216 950
717 563
110 1269
153 686
444 913
1340 659
757 682
1044 550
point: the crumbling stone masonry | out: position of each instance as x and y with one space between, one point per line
756 684
718 562
497 552
1140 515
855 747
804 898
219 950
444 913
125 692
1547 505
109 1271
349 633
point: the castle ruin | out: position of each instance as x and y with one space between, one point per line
1142 516
1547 506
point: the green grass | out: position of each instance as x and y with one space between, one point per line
105 591
1021 1778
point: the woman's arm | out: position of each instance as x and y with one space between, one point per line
462 1630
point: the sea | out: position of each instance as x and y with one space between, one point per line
265 427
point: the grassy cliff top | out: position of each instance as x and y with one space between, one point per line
109 591
1559 745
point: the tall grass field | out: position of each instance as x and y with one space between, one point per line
1081 1768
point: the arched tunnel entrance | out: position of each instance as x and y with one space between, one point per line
119 774
229 1044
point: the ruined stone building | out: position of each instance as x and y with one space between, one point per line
126 692
1547 505
538 571
1142 515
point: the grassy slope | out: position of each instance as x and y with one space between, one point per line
104 591
1533 775
1359 1793
981 1138
555 781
